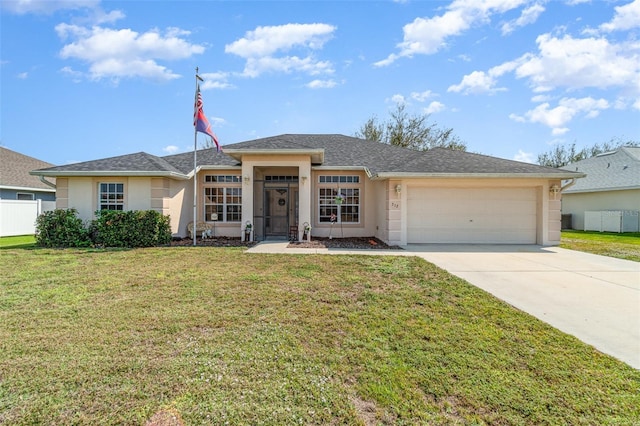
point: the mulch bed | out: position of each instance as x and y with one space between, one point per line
343 243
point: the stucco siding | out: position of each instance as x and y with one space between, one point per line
577 203
82 197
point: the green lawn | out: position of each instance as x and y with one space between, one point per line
623 246
219 335
23 241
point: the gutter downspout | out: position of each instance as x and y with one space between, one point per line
46 182
569 185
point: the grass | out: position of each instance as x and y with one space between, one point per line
218 336
622 246
23 241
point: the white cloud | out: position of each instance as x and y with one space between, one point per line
428 35
23 75
526 157
528 16
76 76
568 63
321 84
259 48
476 82
22 7
578 63
398 99
171 149
422 96
217 80
116 54
567 109
540 98
434 107
626 17
481 82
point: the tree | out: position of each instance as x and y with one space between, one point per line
410 131
561 155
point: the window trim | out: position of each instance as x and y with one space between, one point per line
226 182
122 203
31 194
329 184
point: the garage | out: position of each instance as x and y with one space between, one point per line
471 215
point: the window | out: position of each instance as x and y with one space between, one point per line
111 196
339 179
25 196
346 209
223 197
222 179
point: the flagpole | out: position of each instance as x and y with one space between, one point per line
195 164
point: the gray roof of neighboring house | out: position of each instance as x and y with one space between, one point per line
610 171
15 168
339 152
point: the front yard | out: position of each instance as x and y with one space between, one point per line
216 335
622 246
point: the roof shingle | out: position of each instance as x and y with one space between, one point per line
340 151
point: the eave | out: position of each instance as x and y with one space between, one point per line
421 175
317 155
26 188
101 173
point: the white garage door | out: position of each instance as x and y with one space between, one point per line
477 216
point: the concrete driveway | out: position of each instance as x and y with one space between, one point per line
594 298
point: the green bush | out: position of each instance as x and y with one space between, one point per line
135 228
61 228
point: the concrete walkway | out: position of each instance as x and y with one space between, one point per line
594 298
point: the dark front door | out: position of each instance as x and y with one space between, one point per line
276 209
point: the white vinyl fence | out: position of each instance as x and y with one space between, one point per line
18 217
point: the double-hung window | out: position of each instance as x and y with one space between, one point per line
111 196
223 198
339 199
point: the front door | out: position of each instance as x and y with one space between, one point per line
276 208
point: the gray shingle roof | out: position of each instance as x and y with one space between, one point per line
138 163
339 152
614 170
15 168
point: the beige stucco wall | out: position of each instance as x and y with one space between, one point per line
141 193
368 206
577 204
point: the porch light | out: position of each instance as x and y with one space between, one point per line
304 179
554 189
246 180
398 189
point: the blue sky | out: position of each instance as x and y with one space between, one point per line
82 80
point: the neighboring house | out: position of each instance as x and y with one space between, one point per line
612 184
22 196
399 195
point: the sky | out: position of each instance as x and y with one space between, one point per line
90 79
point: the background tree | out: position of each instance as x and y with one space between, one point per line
410 131
561 155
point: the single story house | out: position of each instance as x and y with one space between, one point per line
22 196
15 181
339 186
612 184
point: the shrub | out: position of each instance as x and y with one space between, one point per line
135 228
61 228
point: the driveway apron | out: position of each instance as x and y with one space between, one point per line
594 298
